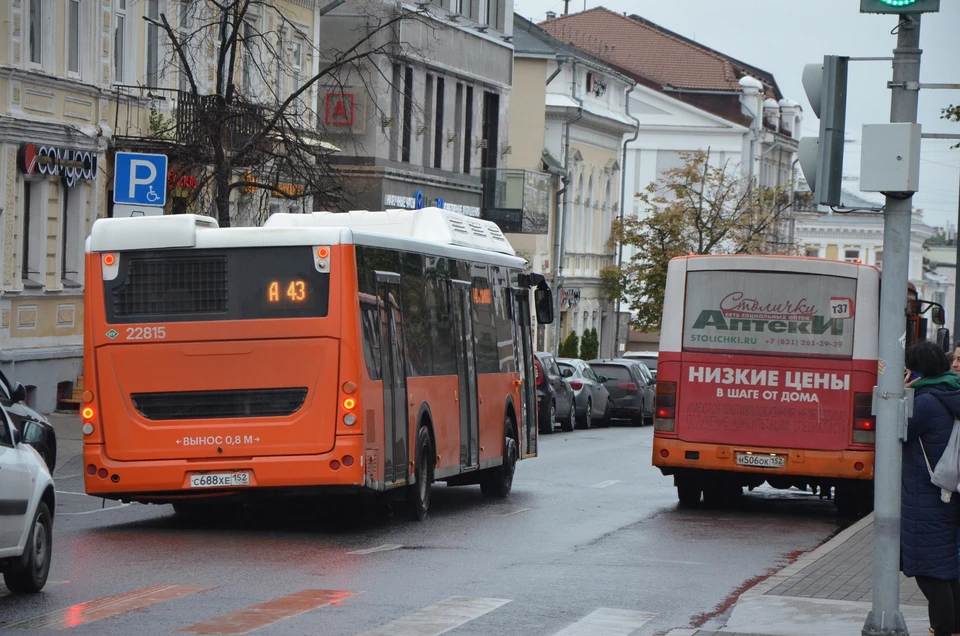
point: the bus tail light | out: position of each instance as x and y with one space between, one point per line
88 413
864 422
109 266
538 372
628 386
349 403
665 407
321 258
576 385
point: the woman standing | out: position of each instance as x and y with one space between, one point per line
928 526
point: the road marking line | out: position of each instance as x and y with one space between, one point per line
83 613
512 512
386 547
604 484
254 617
609 622
91 512
438 618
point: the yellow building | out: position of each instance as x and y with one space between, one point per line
80 79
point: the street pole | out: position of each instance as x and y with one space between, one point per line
885 618
956 279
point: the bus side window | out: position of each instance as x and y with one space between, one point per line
369 316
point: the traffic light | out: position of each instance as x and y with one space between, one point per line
899 6
821 158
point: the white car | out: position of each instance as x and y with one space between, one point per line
26 512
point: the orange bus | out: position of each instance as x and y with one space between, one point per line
368 352
766 372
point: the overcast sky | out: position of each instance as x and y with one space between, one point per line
780 37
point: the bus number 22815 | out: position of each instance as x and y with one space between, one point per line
146 333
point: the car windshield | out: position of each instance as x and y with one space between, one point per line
613 372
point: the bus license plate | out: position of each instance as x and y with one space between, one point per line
761 461
219 480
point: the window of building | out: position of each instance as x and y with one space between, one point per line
36 31
279 60
457 125
183 11
296 65
457 6
73 36
119 40
813 251
438 127
407 114
153 44
492 13
851 255
425 128
468 131
31 244
246 59
878 258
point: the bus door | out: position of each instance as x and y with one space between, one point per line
394 376
528 391
467 372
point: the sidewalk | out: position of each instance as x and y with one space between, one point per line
827 592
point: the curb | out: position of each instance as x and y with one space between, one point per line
807 559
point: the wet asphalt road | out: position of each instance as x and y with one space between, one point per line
589 525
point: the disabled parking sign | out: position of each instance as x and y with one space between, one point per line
140 179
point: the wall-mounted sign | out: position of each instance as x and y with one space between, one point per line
291 190
569 297
339 109
391 201
71 165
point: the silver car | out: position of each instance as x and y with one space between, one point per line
591 399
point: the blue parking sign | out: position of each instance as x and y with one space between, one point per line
140 179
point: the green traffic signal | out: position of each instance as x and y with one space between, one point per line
899 6
897 3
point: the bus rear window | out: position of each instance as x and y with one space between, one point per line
227 284
769 313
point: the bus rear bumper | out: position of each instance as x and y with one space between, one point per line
169 480
674 456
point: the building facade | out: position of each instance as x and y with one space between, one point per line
578 132
55 76
423 125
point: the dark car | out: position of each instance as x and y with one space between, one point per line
554 396
34 428
591 398
648 358
631 388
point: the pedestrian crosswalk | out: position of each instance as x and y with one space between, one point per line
438 618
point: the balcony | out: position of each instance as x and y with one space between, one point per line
158 119
517 200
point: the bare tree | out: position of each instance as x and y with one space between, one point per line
698 208
244 118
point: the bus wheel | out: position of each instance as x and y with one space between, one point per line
688 491
498 481
418 494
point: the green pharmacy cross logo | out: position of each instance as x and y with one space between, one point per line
113 333
897 3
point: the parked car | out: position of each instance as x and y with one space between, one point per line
554 397
591 399
26 512
631 388
648 358
41 435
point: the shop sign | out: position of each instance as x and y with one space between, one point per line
569 297
291 190
71 165
419 201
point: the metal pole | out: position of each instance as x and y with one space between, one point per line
885 618
956 278
623 203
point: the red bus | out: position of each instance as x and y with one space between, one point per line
370 352
766 372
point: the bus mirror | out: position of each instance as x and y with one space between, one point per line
943 338
937 315
544 302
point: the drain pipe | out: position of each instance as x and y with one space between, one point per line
563 214
623 203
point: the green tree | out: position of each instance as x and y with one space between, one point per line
590 345
698 208
570 348
951 113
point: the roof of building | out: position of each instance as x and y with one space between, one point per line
530 39
655 54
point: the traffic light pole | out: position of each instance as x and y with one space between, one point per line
890 401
